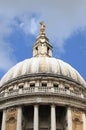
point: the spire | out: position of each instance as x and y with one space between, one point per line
42 46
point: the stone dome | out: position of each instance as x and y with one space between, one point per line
38 65
43 62
42 93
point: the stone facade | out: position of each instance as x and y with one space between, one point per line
11 119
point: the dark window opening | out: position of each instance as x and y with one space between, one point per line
44 84
10 89
32 85
67 88
28 116
55 85
21 86
48 50
37 48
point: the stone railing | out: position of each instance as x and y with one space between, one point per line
41 90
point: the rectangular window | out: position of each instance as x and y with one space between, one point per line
10 89
21 86
66 87
44 84
55 85
48 50
32 85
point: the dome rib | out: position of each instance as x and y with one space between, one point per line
37 65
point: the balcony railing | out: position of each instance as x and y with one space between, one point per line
42 90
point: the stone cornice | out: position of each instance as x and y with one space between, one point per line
42 97
41 75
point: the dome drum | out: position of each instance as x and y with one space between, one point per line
44 86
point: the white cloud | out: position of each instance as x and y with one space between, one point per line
62 18
34 26
28 24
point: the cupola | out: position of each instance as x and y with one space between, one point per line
42 46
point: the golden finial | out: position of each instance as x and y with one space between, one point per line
42 29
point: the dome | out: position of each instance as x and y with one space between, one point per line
42 93
42 62
48 65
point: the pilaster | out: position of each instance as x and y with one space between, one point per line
36 118
69 119
19 118
53 118
84 121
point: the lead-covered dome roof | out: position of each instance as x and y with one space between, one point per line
40 65
42 62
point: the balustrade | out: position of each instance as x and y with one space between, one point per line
49 90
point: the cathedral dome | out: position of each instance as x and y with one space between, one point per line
42 62
42 93
40 65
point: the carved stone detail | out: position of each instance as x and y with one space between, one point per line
77 120
11 119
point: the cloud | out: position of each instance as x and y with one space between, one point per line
6 52
7 60
62 19
29 25
33 27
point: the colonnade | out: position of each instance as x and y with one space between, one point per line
36 118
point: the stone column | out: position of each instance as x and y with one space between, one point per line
69 119
36 117
6 93
4 120
19 118
84 121
53 118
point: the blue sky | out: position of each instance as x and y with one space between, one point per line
65 27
